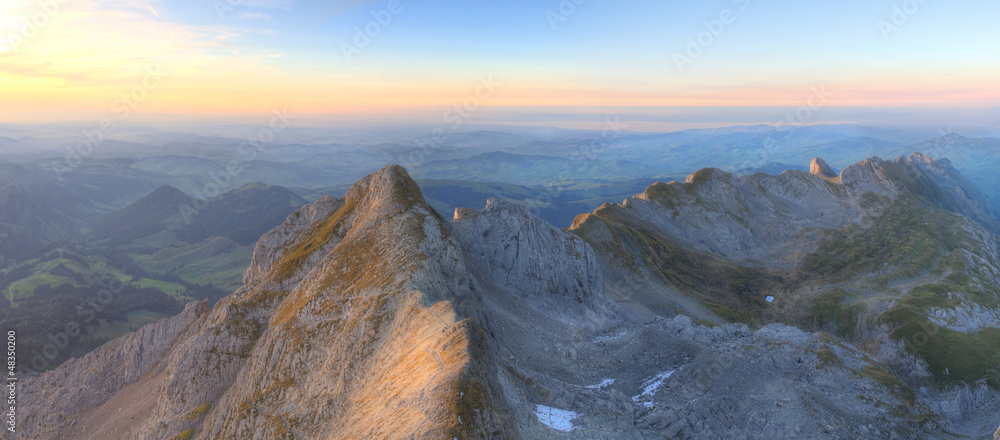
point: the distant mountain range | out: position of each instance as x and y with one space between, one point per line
242 215
505 167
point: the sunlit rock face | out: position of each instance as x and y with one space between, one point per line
819 168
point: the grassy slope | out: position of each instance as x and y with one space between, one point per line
217 261
732 292
910 241
74 269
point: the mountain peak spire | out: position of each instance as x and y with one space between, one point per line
820 168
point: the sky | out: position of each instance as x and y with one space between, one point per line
80 59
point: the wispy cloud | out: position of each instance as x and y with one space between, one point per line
102 42
150 8
89 53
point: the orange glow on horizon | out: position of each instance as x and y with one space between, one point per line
68 69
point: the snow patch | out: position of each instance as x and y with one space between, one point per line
555 418
649 387
604 383
604 338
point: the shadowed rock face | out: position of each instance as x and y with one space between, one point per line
368 316
552 270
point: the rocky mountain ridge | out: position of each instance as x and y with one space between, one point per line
369 316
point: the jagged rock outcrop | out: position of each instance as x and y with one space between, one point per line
553 271
819 168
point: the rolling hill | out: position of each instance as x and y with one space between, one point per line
522 169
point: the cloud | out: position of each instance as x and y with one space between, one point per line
93 51
150 8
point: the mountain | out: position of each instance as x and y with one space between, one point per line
172 163
399 315
156 212
35 211
976 158
847 150
885 255
242 215
170 235
370 316
522 169
737 147
818 167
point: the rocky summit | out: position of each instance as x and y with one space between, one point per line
819 167
802 305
